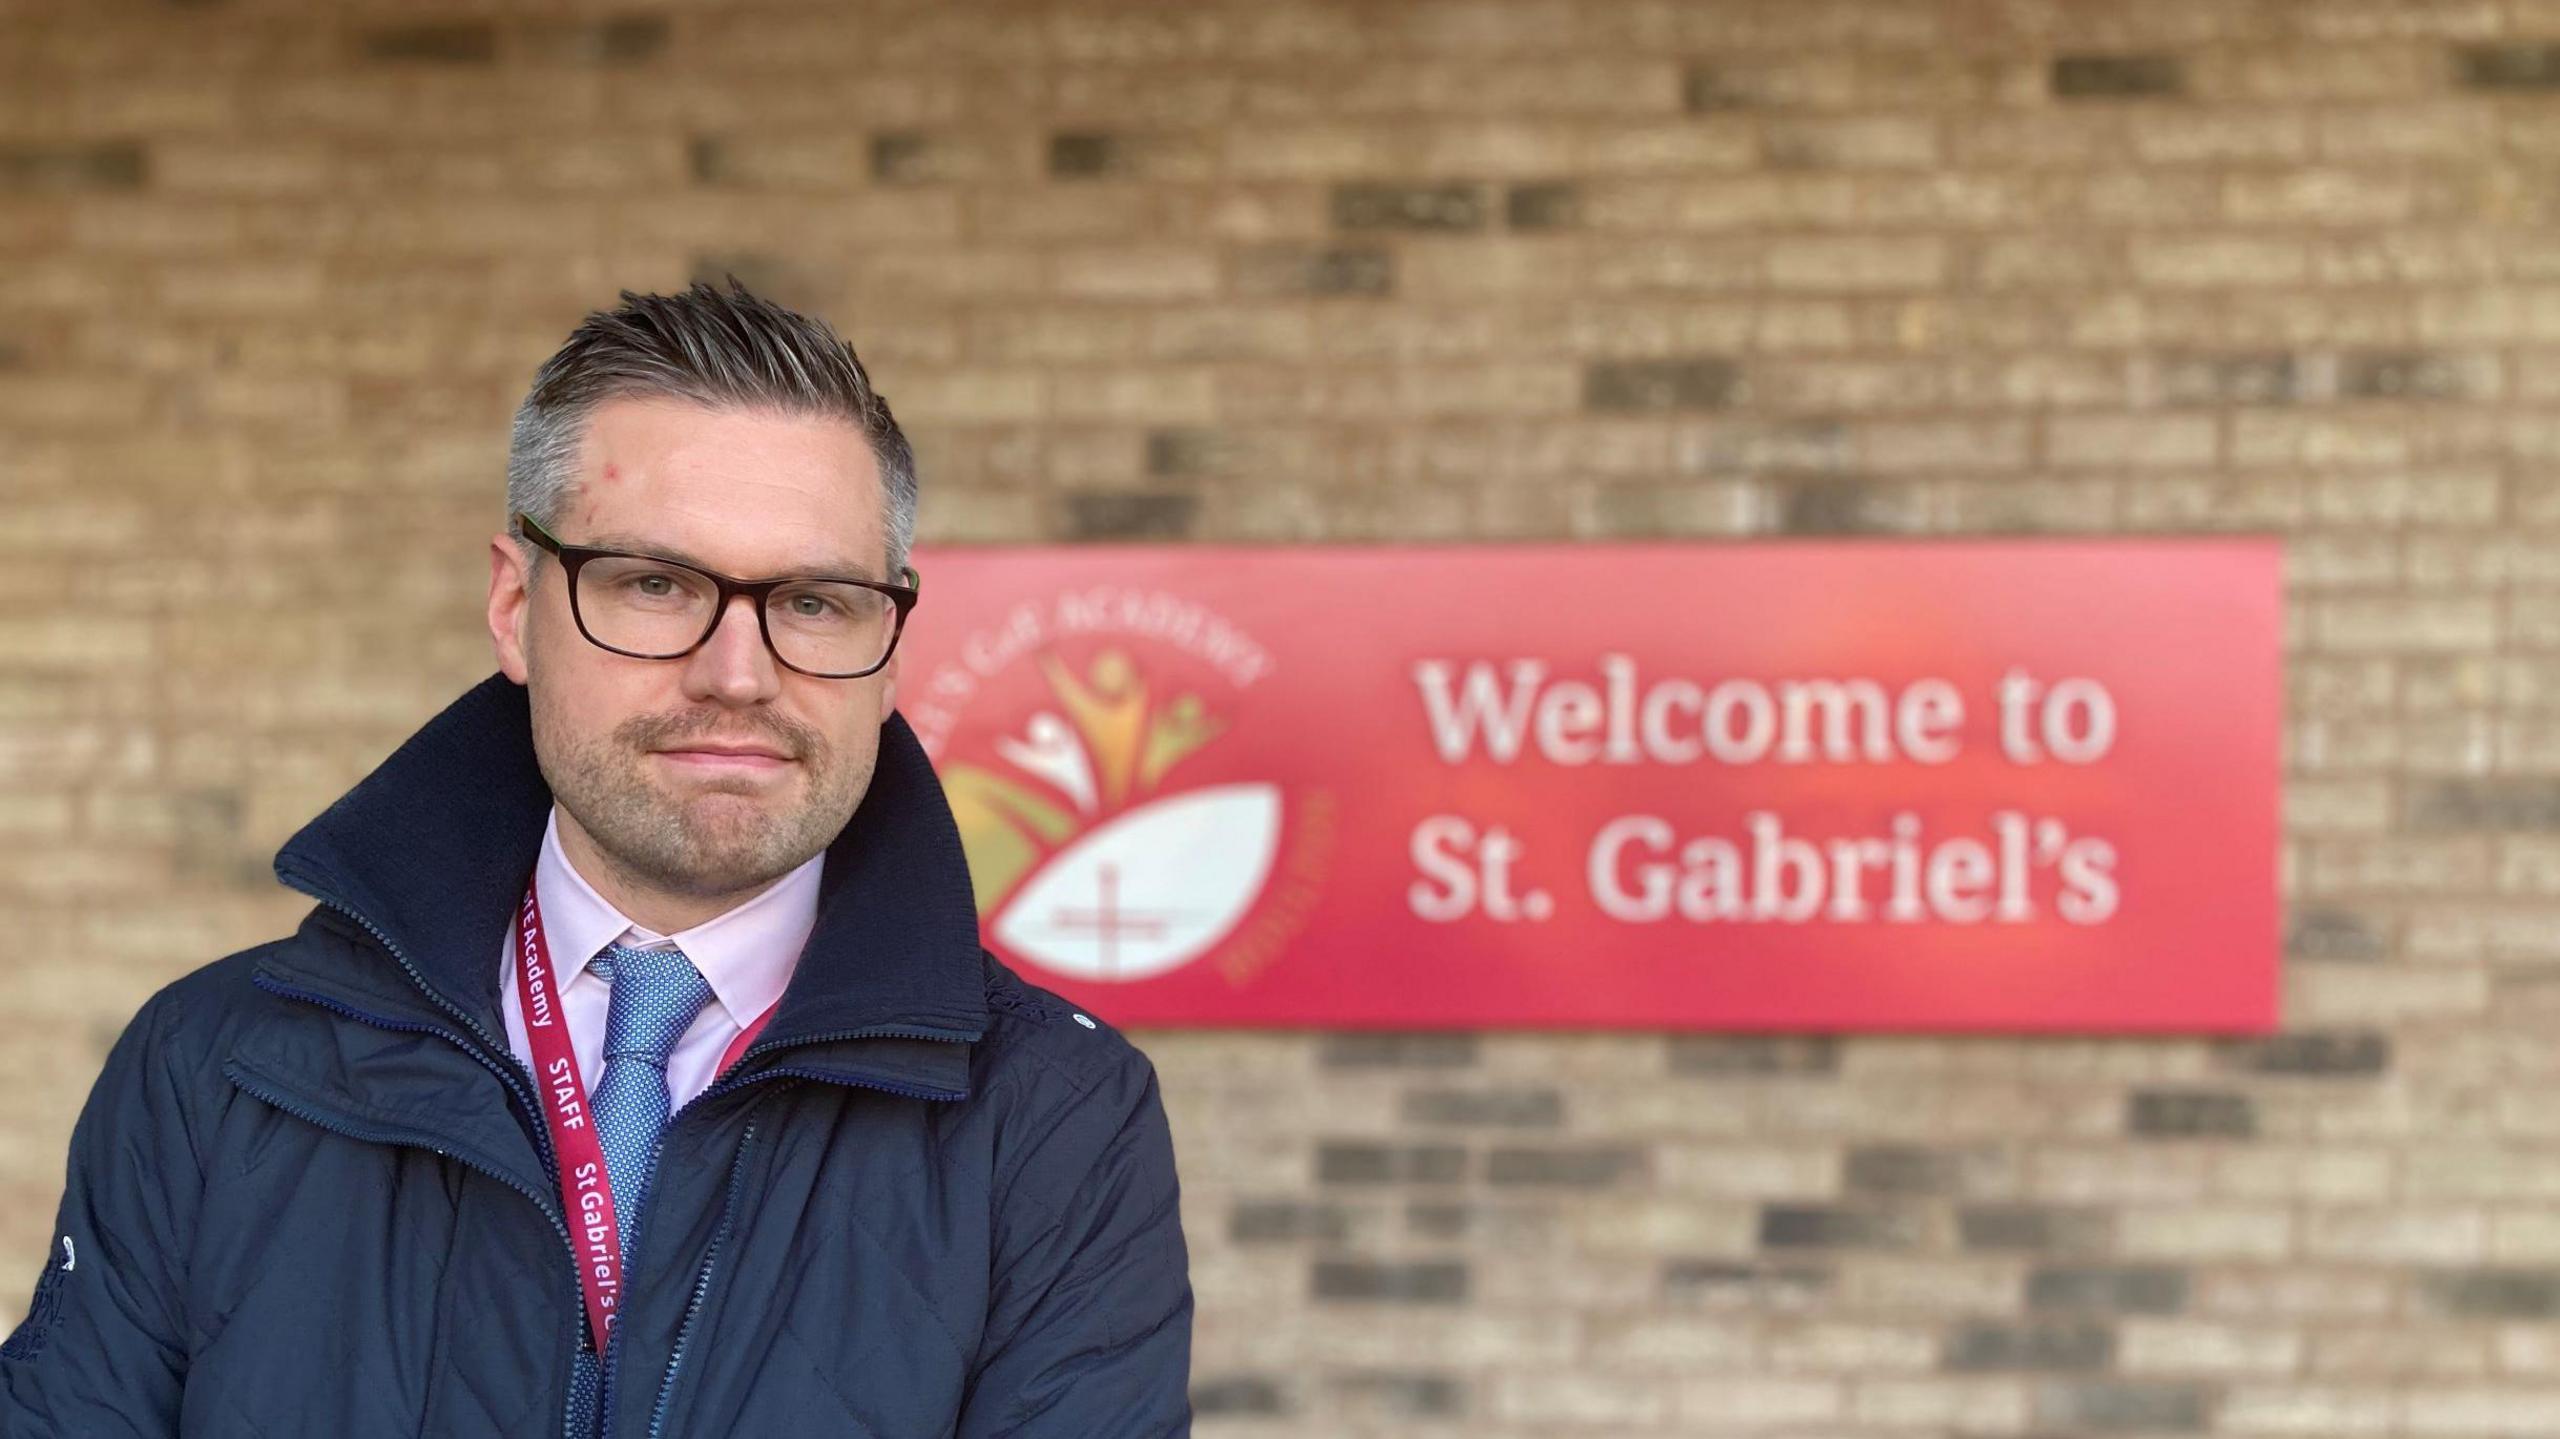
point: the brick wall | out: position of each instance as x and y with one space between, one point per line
273 273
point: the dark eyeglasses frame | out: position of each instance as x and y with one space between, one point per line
573 557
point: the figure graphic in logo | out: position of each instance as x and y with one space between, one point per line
1086 868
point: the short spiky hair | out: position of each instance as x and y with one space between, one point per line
729 351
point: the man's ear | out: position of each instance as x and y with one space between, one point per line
510 602
888 688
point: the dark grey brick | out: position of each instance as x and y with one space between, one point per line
1493 1108
2507 803
440 42
1366 1162
1232 1394
1700 382
2065 1347
1815 1226
1403 1395
1754 1055
1130 514
1264 1221
2346 1053
2190 1114
1447 206
2118 76
1516 1218
1437 1281
102 165
707 158
2118 1289
900 155
2260 379
1553 205
785 282
1707 88
2417 375
1190 453
1845 507
2507 67
1589 1166
1083 155
2031 1228
1723 1283
1901 1169
1388 1049
2123 1405
2494 1293
2328 933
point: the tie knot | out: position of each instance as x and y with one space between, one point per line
656 994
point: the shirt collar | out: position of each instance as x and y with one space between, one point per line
430 852
747 953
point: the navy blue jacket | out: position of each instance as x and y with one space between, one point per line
310 1194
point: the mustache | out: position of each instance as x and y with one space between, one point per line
656 732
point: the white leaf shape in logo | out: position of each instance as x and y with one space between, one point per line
1151 890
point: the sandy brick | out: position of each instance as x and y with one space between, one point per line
1484 269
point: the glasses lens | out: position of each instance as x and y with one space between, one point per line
829 628
657 609
644 606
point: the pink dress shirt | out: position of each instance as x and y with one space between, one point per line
747 954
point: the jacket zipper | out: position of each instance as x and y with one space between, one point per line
613 1352
488 1046
379 1021
880 1031
371 1135
736 1081
701 1284
406 1138
482 1052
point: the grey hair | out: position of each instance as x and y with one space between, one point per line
728 351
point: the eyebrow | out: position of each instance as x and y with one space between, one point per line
814 570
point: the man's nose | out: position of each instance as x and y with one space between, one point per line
733 666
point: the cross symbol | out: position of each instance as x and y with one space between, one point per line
1106 921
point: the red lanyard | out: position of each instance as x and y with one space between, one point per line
586 1191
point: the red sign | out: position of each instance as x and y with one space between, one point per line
1916 786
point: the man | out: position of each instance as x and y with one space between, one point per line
639 1071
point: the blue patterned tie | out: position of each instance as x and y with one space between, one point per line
656 994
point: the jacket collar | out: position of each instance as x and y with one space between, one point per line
432 851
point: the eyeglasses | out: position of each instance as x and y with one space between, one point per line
652 608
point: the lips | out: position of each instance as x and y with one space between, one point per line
717 751
725 759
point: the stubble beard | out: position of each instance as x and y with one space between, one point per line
700 838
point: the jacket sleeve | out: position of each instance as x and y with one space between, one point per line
100 1354
1089 1330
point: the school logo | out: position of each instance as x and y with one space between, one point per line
1106 842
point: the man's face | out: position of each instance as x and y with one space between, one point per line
620 740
